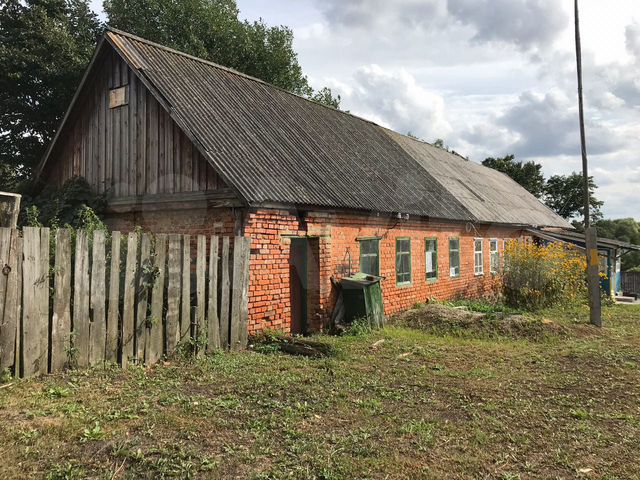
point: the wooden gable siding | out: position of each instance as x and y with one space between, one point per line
131 150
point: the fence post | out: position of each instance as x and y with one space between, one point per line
154 344
9 292
129 300
81 295
111 349
213 321
98 326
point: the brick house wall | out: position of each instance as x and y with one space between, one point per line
337 235
334 252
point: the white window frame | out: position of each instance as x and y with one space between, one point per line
478 266
494 266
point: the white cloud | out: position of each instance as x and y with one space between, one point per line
395 100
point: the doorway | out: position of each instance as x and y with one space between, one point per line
303 283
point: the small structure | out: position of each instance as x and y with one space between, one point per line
9 209
180 144
610 252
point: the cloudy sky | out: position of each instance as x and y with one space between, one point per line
490 77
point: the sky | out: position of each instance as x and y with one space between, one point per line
489 77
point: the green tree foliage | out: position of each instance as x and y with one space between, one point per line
211 29
45 46
528 174
626 230
564 194
325 96
72 205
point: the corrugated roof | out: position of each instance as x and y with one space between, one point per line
490 195
273 146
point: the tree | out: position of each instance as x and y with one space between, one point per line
211 29
564 195
325 96
528 174
45 46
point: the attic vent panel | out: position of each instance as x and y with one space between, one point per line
119 96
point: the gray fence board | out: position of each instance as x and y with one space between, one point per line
174 293
81 296
98 325
213 324
128 307
113 315
61 323
153 350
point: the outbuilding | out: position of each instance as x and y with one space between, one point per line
180 144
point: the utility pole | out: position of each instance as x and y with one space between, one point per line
593 278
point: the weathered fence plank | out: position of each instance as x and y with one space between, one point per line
9 304
153 352
142 295
61 322
244 303
98 325
236 292
44 297
224 295
111 347
35 321
173 294
80 351
201 264
213 322
19 361
128 308
185 317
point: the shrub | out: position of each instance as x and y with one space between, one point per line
541 276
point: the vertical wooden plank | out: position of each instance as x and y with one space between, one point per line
9 305
111 348
224 294
168 139
133 133
98 325
45 285
128 327
186 150
61 322
152 145
19 361
185 317
201 265
34 319
213 321
244 305
173 294
81 300
154 343
236 292
142 295
141 122
162 157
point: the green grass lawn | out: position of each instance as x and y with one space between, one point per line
418 405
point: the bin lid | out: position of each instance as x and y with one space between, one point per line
361 279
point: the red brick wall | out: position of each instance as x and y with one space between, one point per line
334 243
337 237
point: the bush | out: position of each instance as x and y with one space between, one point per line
542 276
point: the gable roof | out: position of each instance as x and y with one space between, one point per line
275 147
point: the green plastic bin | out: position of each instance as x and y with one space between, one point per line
362 297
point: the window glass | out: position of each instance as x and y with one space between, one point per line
431 258
478 257
454 257
403 260
370 256
494 256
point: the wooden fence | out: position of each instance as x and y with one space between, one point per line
78 299
631 282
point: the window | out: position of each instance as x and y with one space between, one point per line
478 257
494 256
370 256
454 257
403 261
431 258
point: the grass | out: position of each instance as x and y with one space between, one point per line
417 405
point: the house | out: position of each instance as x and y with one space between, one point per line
610 253
184 145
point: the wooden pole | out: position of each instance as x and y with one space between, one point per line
593 280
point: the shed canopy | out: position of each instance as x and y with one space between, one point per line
274 147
